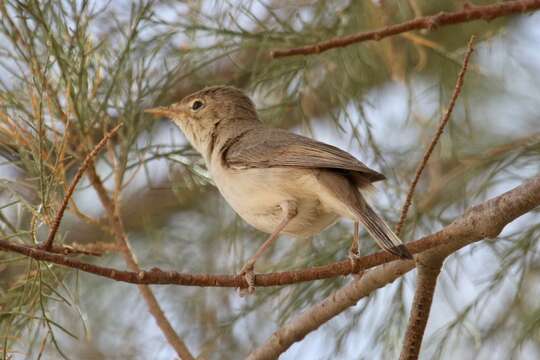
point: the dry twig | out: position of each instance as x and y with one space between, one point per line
480 222
87 161
436 137
428 268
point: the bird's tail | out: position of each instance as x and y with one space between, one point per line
350 195
381 232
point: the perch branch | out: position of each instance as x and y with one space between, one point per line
341 268
467 14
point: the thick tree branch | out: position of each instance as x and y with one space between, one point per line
469 13
428 271
482 221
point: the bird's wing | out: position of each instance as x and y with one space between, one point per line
266 148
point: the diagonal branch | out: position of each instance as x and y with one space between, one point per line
482 221
87 161
436 137
469 13
428 267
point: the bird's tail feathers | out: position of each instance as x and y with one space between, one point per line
382 234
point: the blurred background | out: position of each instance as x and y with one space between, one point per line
72 70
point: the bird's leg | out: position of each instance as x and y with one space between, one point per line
354 250
288 211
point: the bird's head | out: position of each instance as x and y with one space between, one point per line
199 114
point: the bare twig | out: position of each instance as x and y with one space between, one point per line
87 161
469 13
436 137
160 277
482 221
112 210
428 268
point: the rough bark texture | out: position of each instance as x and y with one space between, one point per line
428 271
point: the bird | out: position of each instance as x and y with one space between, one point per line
277 181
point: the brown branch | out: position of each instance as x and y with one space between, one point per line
87 161
480 222
310 320
436 137
428 267
469 13
157 276
428 271
341 268
113 212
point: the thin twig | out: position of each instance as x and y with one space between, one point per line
428 267
436 137
87 161
469 13
508 206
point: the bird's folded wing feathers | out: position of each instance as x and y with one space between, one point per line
266 148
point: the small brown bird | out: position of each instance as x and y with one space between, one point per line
277 181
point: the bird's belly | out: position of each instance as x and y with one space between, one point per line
256 195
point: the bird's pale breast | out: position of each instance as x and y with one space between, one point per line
256 195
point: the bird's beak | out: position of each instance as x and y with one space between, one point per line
160 111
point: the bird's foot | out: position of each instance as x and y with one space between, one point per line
248 274
354 256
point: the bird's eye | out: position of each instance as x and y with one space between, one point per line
197 104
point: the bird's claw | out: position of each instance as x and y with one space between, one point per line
248 274
353 257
